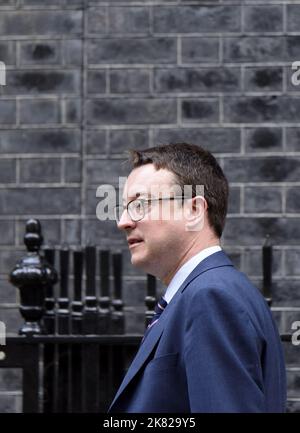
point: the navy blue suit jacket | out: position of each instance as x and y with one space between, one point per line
215 348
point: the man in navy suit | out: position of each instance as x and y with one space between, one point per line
212 345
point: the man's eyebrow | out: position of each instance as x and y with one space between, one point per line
137 194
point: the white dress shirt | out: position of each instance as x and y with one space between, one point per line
186 269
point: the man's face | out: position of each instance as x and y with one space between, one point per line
162 240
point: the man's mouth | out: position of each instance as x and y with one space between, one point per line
134 242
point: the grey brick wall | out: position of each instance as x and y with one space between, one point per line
86 79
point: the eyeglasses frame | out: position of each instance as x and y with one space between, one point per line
143 200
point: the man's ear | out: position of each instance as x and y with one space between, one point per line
195 211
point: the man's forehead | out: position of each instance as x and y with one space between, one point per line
147 183
153 190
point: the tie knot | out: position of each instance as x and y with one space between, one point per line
160 306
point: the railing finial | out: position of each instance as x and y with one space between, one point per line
32 275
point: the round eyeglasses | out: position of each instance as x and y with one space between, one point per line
137 207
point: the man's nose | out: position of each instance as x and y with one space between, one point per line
125 221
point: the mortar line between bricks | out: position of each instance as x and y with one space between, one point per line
179 112
284 262
220 51
144 35
18 169
224 34
62 229
185 65
232 215
84 63
284 17
232 184
91 217
265 184
107 18
151 80
108 82
179 51
284 139
150 137
42 217
151 20
107 143
277 215
178 3
122 36
242 9
18 110
16 231
190 95
243 79
39 185
221 108
219 154
284 193
62 169
9 305
242 199
185 126
57 97
18 55
257 248
38 155
62 104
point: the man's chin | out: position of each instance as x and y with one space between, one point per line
138 260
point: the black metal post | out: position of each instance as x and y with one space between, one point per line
77 304
150 299
32 275
76 326
104 299
267 258
49 317
90 314
62 397
117 318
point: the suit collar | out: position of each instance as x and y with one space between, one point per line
186 269
213 261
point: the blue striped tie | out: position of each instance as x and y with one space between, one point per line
159 308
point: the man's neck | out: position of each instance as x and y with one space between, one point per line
189 253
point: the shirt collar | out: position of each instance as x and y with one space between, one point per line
185 270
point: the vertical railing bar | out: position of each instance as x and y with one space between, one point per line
150 299
63 329
117 318
267 258
90 304
55 379
76 323
49 349
110 374
31 378
91 352
104 299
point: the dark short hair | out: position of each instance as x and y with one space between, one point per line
191 165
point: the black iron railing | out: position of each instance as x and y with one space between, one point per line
72 347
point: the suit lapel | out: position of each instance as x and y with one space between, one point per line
215 260
147 347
